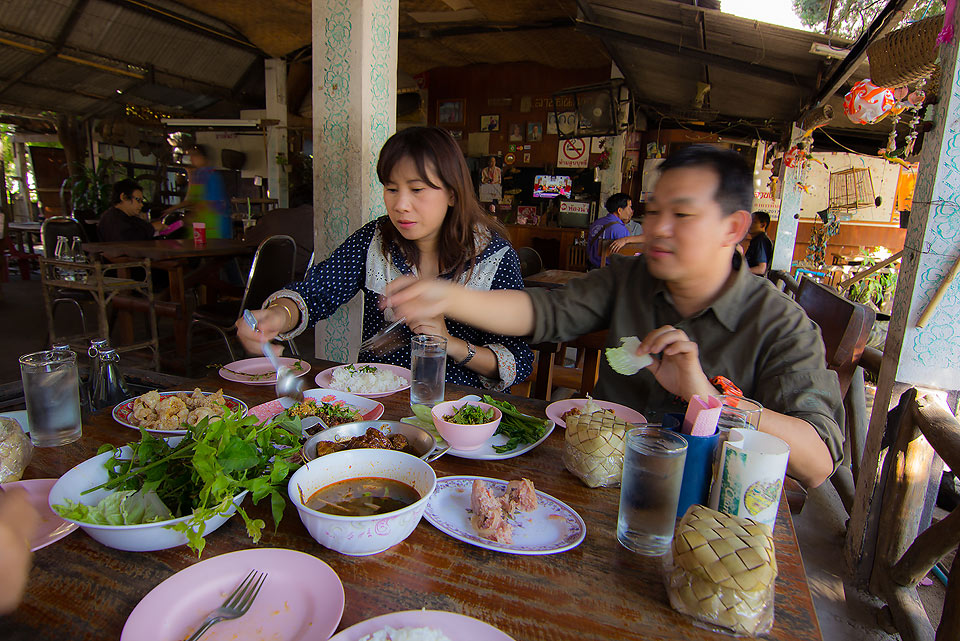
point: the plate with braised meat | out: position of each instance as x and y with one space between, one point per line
384 435
512 517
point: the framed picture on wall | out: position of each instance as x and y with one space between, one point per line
490 122
516 133
450 112
534 131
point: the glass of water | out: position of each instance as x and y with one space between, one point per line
650 489
428 368
51 385
738 411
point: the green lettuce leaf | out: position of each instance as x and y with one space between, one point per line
624 359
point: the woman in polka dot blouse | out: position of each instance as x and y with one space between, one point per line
434 228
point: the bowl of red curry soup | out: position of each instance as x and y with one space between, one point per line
361 502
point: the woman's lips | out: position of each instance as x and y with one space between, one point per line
405 224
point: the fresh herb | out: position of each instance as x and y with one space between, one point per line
203 473
518 428
471 415
366 369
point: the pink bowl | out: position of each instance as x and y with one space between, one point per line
464 437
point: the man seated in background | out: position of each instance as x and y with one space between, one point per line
125 220
698 311
295 221
610 227
759 253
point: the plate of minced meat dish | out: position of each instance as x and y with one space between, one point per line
169 412
512 517
334 407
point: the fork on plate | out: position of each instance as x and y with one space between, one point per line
235 605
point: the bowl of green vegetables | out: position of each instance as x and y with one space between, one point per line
466 424
160 493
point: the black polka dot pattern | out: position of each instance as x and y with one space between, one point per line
334 281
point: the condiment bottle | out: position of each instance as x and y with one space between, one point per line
96 346
111 388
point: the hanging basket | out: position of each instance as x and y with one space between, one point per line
907 55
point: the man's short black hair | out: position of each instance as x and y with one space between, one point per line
735 192
617 201
763 217
125 187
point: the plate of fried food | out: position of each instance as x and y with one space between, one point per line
171 412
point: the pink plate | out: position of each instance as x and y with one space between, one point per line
301 599
325 377
123 412
52 528
453 625
557 409
259 371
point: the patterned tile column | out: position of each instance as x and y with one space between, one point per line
788 219
354 112
928 356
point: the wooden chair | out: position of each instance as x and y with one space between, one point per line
903 555
577 258
845 327
549 371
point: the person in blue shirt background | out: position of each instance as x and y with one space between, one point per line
759 253
610 227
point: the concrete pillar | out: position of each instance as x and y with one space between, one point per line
789 218
22 208
354 112
928 356
277 150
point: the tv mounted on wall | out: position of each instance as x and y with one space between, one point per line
552 186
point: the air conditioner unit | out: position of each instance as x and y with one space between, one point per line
601 110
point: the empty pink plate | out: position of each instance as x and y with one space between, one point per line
52 528
453 625
301 599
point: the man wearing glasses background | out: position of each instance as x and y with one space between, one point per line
124 220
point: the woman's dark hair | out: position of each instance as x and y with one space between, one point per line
735 191
125 187
617 202
434 150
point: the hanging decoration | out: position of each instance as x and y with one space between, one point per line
912 102
945 36
867 104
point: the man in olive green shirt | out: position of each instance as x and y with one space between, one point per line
697 309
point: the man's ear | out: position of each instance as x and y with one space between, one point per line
737 225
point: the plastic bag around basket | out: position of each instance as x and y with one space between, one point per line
15 450
593 448
722 572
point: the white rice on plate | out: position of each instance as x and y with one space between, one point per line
365 380
406 634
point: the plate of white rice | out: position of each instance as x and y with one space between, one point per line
371 380
422 625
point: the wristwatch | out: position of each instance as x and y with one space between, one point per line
471 352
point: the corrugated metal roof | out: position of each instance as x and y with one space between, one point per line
41 19
755 70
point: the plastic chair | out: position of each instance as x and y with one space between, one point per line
272 269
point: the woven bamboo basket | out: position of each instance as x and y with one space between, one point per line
906 55
593 448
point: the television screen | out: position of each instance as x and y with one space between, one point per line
552 186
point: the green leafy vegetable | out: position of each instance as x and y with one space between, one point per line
424 420
199 476
624 359
517 427
471 415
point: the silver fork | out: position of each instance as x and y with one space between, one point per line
235 605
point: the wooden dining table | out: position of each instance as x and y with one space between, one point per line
174 256
80 589
552 278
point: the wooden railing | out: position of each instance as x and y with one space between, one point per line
902 556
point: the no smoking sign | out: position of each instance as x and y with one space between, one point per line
573 153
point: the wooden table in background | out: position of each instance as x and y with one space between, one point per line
552 278
21 249
173 256
80 589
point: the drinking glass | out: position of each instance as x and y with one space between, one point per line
738 411
64 252
650 489
428 367
51 385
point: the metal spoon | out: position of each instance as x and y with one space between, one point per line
288 384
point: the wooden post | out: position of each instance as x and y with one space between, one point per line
928 356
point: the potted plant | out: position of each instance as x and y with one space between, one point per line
90 188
